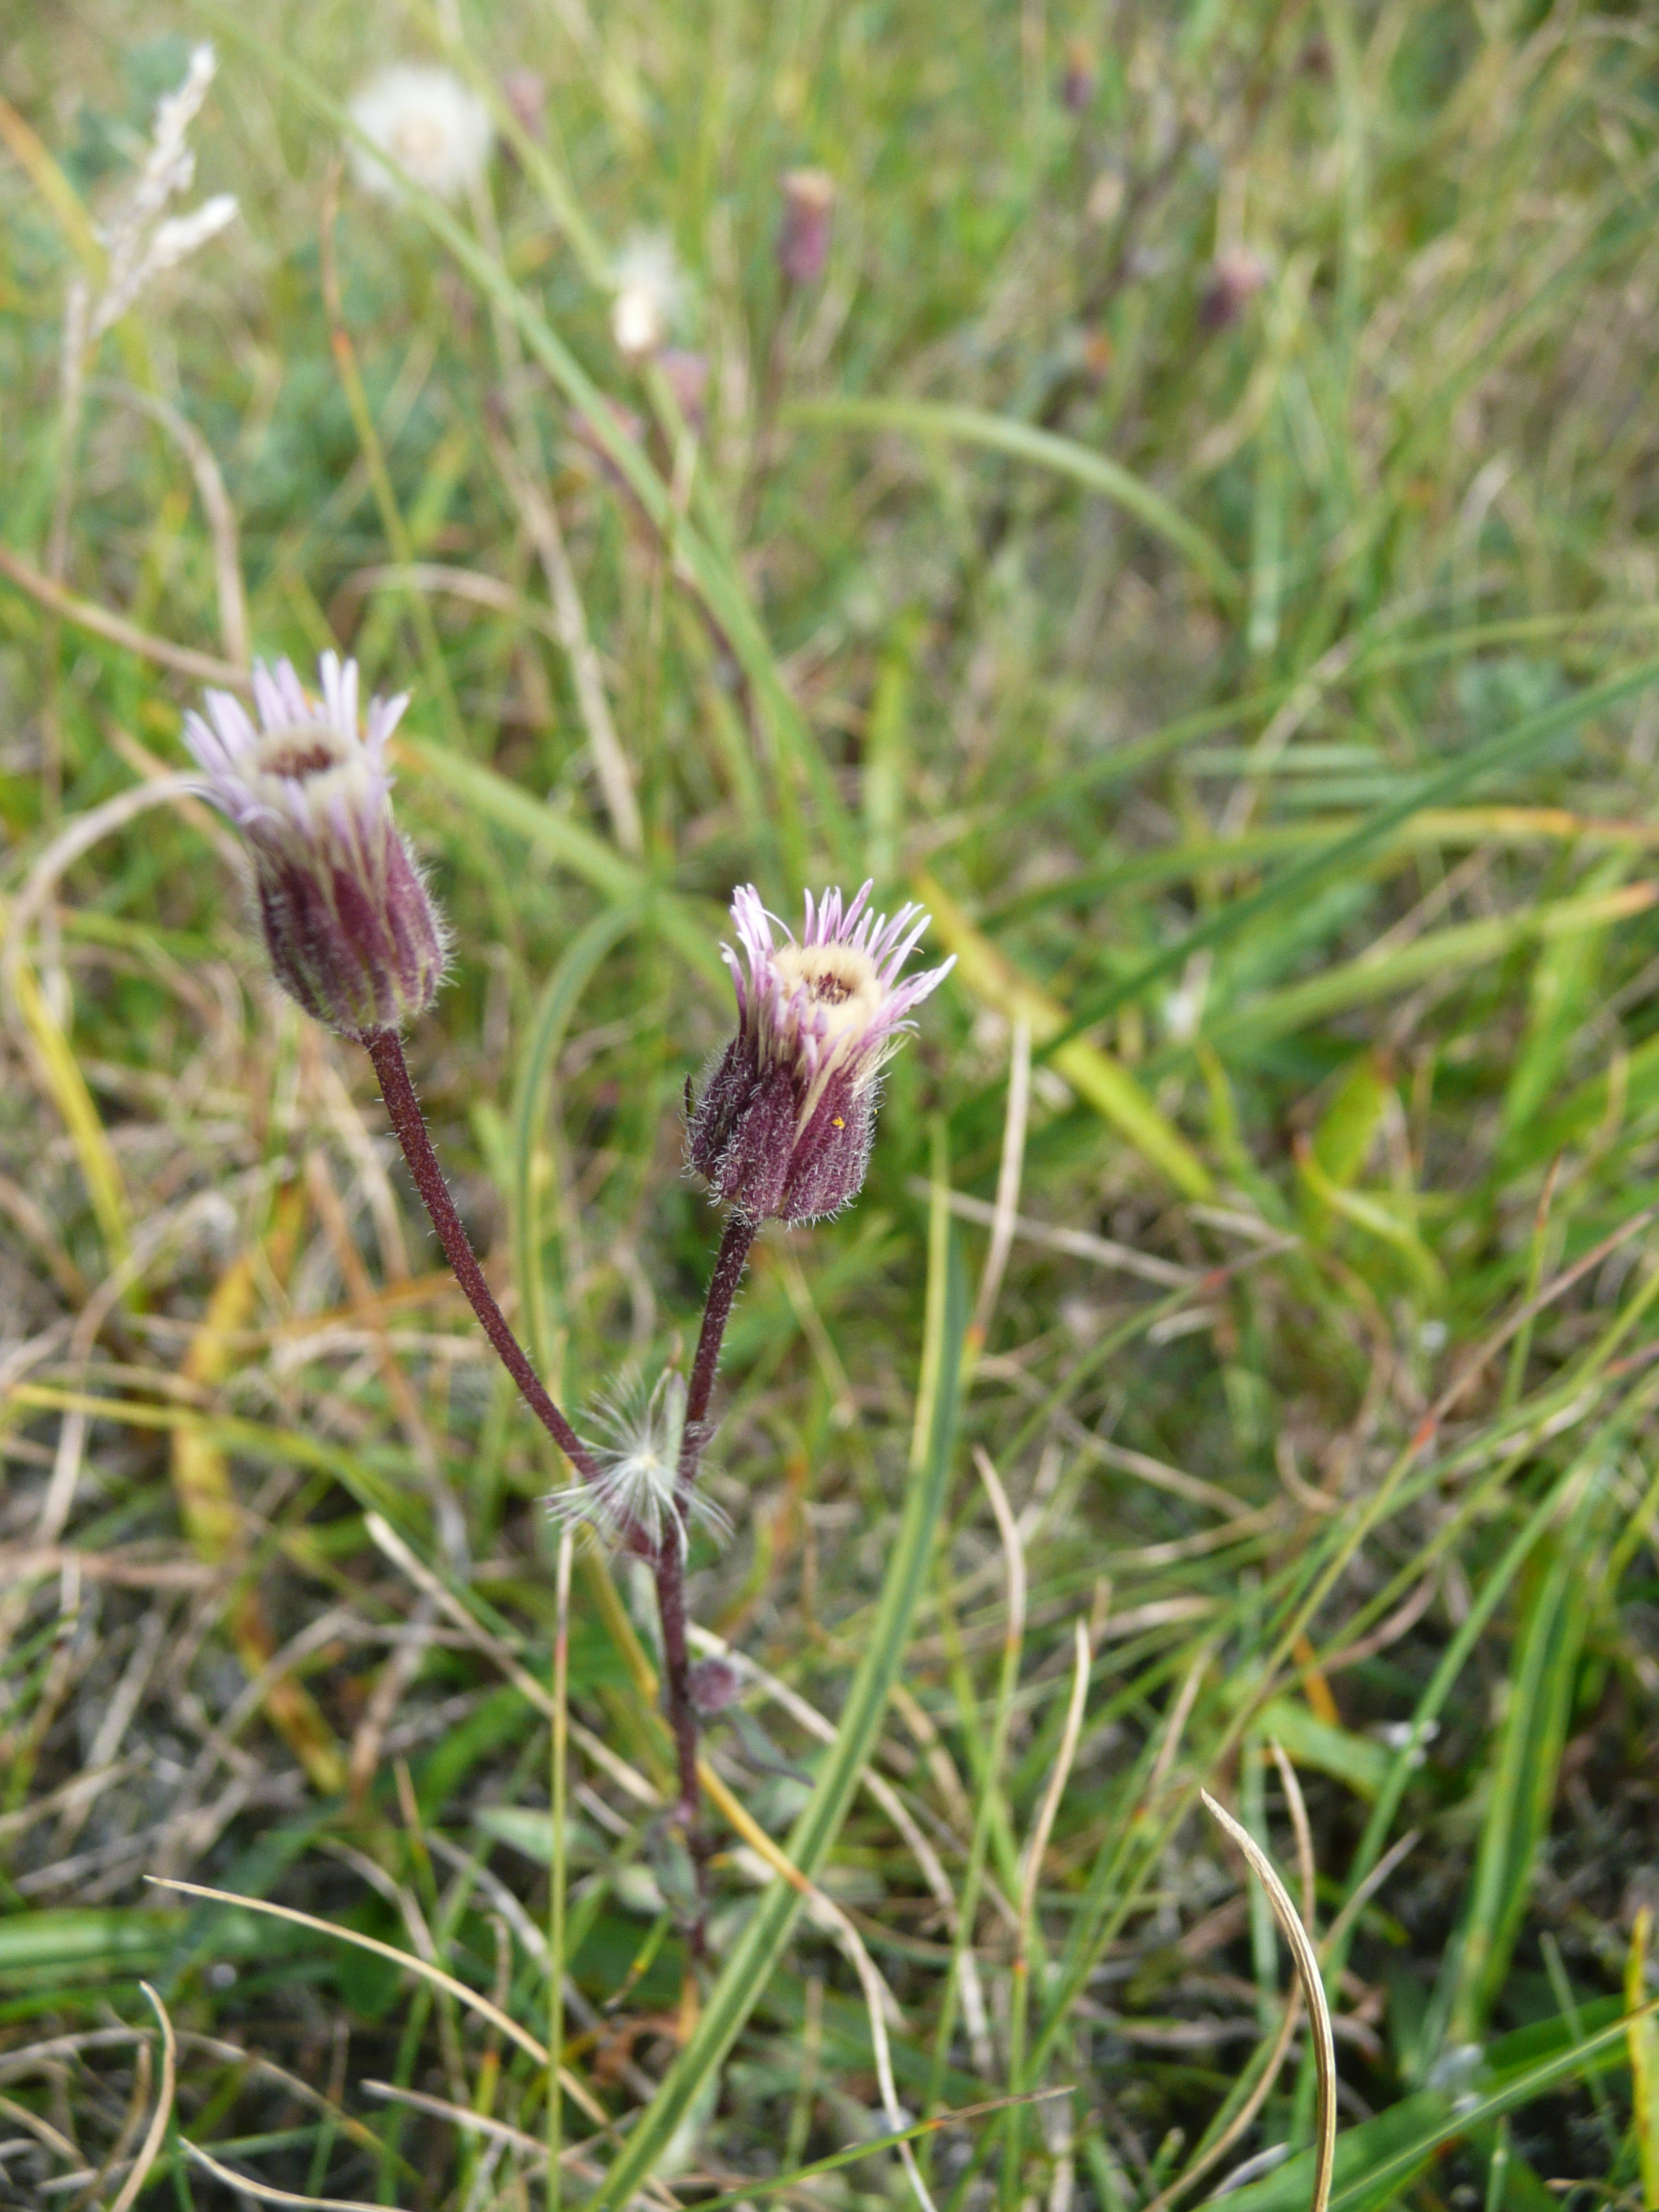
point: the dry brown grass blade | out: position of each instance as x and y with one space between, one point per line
1313 1994
423 1967
572 2084
212 1514
263 2191
1209 2159
85 614
155 2135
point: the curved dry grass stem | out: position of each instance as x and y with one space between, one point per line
1305 1848
88 615
263 2191
1207 2160
1367 1890
1246 2112
1005 1213
215 505
1041 1833
428 1971
1313 1994
1013 1551
155 2135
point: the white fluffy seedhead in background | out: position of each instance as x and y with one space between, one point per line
139 239
435 129
650 296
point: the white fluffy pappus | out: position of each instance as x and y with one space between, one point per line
436 131
650 294
637 1494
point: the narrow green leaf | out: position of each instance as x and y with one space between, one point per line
1508 751
970 426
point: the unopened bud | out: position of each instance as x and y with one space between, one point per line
351 932
715 1684
1235 277
1076 86
809 199
686 375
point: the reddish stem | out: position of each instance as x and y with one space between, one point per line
732 1258
385 1050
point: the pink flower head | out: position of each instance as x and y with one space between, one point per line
351 930
784 1124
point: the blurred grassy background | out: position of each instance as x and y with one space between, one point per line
1198 534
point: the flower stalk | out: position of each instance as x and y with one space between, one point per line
782 1131
384 1049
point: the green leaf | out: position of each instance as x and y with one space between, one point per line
1355 1759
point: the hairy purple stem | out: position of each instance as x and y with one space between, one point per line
385 1050
669 1563
733 1257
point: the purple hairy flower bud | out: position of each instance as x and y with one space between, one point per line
784 1125
351 930
809 197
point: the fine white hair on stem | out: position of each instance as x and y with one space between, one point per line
1007 1209
1313 1994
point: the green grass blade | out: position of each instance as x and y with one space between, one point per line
997 433
1510 750
560 995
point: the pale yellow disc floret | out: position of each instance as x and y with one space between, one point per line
314 755
842 983
846 995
